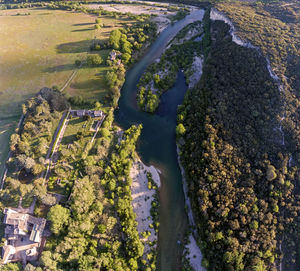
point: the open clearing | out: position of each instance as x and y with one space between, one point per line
39 50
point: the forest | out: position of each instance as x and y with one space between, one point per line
242 183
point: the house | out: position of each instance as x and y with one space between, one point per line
98 113
23 234
114 54
80 113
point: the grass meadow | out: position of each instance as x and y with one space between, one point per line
39 50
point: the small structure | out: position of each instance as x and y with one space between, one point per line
114 54
80 113
85 112
23 234
98 113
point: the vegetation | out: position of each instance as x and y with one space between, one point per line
241 183
101 230
67 38
29 147
161 76
274 28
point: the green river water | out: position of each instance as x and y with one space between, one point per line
157 145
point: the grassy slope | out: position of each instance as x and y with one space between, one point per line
39 50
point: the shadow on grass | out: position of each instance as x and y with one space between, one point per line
59 68
83 24
87 84
83 30
74 47
75 121
69 139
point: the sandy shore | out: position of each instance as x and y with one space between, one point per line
142 198
197 71
194 254
161 13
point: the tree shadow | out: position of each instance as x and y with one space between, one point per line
83 24
75 121
59 68
73 47
82 30
87 84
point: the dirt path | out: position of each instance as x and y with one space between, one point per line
71 78
97 129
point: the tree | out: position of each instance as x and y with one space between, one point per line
271 173
94 60
77 62
14 140
105 132
48 261
37 169
29 164
180 129
11 267
114 39
59 217
48 199
126 57
82 197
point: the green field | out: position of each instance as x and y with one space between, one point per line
39 50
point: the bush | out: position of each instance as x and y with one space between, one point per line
77 62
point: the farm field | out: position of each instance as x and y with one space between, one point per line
39 50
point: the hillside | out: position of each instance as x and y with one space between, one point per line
239 145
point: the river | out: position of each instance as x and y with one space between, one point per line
157 145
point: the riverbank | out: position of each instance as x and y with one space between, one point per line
182 53
142 198
157 146
191 249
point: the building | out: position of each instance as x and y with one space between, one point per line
81 113
98 113
114 54
23 234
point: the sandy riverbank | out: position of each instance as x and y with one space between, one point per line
161 13
197 71
142 197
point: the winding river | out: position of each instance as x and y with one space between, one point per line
157 145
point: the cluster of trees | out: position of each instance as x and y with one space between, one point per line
31 143
118 41
125 40
98 24
115 79
161 76
29 146
241 184
181 13
98 230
